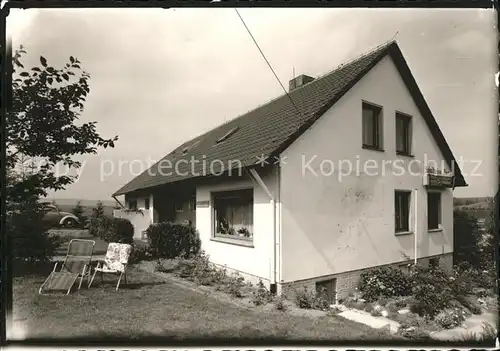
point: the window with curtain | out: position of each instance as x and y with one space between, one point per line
233 214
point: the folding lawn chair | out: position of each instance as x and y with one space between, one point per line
76 264
115 262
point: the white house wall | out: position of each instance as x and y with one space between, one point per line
256 261
140 221
331 226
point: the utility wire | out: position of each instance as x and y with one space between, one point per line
269 64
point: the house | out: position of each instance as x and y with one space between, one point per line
343 173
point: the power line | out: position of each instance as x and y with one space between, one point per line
269 64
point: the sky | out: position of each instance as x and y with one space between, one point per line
160 77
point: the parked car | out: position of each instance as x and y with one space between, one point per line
57 218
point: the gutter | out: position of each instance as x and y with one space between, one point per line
256 177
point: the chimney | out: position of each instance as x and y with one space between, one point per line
299 81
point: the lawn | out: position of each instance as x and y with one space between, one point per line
151 307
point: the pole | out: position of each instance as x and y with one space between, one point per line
416 225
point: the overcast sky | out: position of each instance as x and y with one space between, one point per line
160 77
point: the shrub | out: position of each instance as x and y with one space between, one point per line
95 217
304 298
202 271
450 318
170 240
262 296
469 303
30 241
384 282
119 230
139 253
235 284
466 247
474 277
280 303
186 269
431 290
100 226
376 313
310 300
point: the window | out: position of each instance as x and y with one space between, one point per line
192 204
433 210
227 135
233 214
402 210
132 204
403 134
372 123
146 203
179 206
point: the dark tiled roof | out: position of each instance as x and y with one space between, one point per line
271 128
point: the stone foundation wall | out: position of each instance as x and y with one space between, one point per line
347 282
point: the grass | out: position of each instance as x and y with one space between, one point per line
151 307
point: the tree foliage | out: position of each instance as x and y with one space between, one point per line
78 211
466 239
43 131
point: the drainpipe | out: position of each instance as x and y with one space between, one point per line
416 224
255 176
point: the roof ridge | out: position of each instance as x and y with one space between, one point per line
359 57
356 58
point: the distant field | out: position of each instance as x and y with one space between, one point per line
87 210
467 201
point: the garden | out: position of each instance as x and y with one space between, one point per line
423 300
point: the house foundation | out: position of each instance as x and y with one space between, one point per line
347 282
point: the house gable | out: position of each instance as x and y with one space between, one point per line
339 212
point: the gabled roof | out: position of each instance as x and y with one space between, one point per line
271 128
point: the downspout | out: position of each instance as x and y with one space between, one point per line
416 225
255 176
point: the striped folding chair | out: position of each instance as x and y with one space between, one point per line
76 265
115 262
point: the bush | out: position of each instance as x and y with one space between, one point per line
280 303
30 241
262 296
431 290
450 318
235 284
139 253
170 240
384 282
95 220
469 303
466 243
120 230
310 300
100 226
304 298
